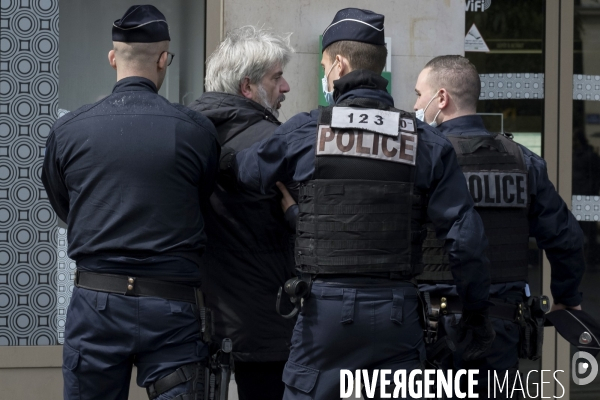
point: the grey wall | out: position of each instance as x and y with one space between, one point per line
85 40
420 30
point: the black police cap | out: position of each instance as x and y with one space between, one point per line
355 25
141 24
578 328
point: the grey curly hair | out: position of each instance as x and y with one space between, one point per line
248 51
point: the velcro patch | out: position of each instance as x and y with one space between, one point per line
359 143
498 189
372 120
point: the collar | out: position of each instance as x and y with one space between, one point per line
465 124
133 84
227 102
359 79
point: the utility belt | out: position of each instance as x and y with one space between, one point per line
393 276
213 376
298 288
528 314
453 305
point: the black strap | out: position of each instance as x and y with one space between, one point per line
488 159
470 146
393 276
179 376
351 209
399 243
348 261
435 259
434 243
132 286
388 226
500 309
364 103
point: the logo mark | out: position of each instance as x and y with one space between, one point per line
477 5
578 369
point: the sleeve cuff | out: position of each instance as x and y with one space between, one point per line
571 301
291 214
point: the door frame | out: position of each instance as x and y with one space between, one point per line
558 153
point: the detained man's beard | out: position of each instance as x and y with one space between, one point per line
264 100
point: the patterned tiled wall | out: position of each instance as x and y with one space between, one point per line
65 279
531 86
586 208
28 105
586 87
511 86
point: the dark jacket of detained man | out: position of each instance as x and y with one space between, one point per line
249 251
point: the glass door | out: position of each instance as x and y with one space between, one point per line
585 185
511 64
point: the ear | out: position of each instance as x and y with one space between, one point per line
341 66
444 98
162 61
246 89
112 60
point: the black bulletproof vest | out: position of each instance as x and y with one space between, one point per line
496 175
360 213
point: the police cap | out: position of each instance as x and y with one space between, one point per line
141 24
578 328
355 25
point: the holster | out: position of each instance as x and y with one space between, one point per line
436 350
204 317
298 290
531 327
218 372
219 367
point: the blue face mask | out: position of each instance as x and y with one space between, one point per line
326 93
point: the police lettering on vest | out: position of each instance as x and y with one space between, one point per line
359 212
498 189
359 143
496 175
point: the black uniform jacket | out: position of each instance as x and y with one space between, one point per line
249 251
289 156
550 221
128 174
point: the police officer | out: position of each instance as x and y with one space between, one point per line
128 174
369 172
515 199
249 253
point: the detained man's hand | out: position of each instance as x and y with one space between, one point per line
287 200
558 306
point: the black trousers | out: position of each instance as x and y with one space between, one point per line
259 380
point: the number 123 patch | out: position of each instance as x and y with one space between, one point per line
373 120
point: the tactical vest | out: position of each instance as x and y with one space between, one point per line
360 213
496 175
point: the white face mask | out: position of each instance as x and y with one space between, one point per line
328 95
420 114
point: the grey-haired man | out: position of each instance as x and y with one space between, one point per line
249 252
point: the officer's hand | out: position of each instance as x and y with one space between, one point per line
558 306
287 200
476 333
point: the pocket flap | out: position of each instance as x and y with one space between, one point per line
70 357
300 377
